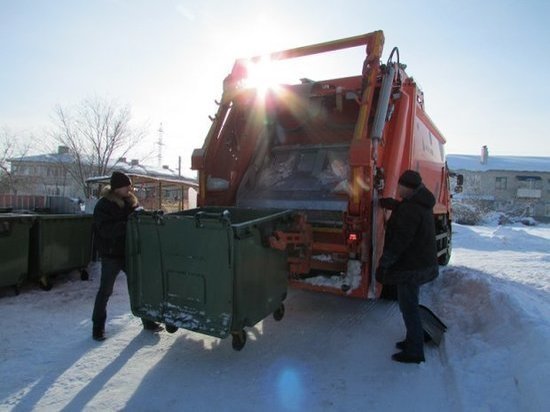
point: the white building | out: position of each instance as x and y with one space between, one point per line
506 183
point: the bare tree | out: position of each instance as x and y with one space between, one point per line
11 149
96 132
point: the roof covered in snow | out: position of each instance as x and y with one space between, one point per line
148 170
511 163
45 158
132 167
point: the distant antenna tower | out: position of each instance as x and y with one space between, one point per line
160 144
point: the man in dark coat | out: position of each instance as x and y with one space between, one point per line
409 258
110 215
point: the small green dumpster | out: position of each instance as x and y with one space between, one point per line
14 248
59 243
209 270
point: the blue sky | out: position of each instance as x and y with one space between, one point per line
482 64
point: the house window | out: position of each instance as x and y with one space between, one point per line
501 183
473 182
502 205
529 182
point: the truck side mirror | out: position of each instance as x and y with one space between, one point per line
459 183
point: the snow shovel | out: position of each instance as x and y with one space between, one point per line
433 326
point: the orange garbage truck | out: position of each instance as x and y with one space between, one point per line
327 150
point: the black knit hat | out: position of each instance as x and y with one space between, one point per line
410 179
119 179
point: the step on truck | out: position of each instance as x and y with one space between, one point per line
327 150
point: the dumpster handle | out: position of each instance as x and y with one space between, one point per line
158 217
224 217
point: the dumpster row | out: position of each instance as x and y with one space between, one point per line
208 270
35 247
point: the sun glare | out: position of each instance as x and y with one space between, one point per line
263 76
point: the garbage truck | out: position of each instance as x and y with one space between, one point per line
327 150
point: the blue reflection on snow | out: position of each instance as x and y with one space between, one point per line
290 389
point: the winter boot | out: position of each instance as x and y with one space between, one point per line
98 333
404 357
401 345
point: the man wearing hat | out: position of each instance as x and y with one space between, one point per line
110 215
409 258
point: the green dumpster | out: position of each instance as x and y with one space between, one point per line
209 270
14 248
59 243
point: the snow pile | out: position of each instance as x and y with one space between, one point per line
327 353
348 281
497 345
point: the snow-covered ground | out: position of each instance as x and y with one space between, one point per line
328 354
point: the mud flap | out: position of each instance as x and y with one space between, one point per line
433 326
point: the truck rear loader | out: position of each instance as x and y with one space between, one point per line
328 150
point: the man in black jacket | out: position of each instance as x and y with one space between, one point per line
110 215
409 258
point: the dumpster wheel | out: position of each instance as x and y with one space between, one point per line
171 328
239 339
279 313
45 283
84 275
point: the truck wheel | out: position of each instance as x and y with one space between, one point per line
171 328
239 340
279 313
444 259
84 275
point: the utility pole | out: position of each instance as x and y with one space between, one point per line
160 144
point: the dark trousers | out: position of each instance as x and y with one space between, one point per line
110 268
407 296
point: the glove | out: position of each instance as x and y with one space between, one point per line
388 203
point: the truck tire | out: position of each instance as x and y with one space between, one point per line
444 259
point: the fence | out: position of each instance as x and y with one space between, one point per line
53 204
25 202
